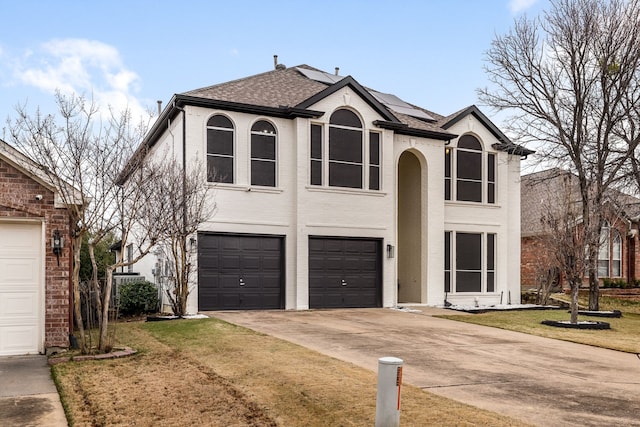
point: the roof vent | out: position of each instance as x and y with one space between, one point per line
276 65
337 71
281 67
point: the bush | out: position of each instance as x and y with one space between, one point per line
138 298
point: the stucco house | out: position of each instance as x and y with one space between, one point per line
619 255
330 194
35 260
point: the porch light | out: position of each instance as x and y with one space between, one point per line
390 251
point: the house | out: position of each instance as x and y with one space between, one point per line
35 261
619 256
330 194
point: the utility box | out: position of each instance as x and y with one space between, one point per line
389 387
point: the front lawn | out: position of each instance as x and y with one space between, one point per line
622 336
208 372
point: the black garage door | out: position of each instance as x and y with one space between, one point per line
345 272
240 272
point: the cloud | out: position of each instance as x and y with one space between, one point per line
234 52
88 67
517 6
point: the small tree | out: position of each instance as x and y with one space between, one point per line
183 196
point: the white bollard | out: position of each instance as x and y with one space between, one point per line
389 385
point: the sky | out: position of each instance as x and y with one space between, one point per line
133 53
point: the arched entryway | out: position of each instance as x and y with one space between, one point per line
410 205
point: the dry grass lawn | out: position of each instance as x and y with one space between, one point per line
208 372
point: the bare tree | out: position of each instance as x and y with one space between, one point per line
570 77
81 153
183 196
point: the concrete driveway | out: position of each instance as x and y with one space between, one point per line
538 380
28 396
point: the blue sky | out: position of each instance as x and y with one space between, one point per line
132 53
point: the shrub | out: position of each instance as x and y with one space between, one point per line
138 298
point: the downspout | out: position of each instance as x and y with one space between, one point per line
184 182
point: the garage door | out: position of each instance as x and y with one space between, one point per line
240 272
345 272
20 288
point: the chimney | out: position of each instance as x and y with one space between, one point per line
337 70
159 107
275 62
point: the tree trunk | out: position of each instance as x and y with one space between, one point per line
95 287
77 300
575 287
103 344
594 285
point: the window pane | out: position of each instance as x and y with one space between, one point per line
468 281
220 142
491 247
374 148
447 250
603 268
491 193
263 173
469 191
345 175
447 189
616 266
345 118
316 172
345 145
220 169
374 178
263 127
490 281
469 165
447 162
468 251
447 281
470 142
316 142
491 167
220 122
263 146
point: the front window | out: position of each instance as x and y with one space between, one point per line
220 150
610 252
469 262
263 154
473 181
345 150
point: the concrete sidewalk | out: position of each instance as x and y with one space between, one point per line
28 396
538 380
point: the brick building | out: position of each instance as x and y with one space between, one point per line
35 282
618 259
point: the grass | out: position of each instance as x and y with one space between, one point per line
208 372
622 336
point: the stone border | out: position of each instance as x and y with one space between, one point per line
579 325
121 352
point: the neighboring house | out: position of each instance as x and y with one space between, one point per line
330 194
619 256
35 296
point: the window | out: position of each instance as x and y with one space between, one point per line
469 262
466 164
610 252
263 154
345 150
316 155
220 149
374 161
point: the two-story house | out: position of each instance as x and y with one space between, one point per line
331 194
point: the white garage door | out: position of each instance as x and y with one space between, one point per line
20 288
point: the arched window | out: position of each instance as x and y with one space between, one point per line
220 150
345 150
469 169
470 175
263 154
610 252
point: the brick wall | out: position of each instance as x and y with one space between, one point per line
18 200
